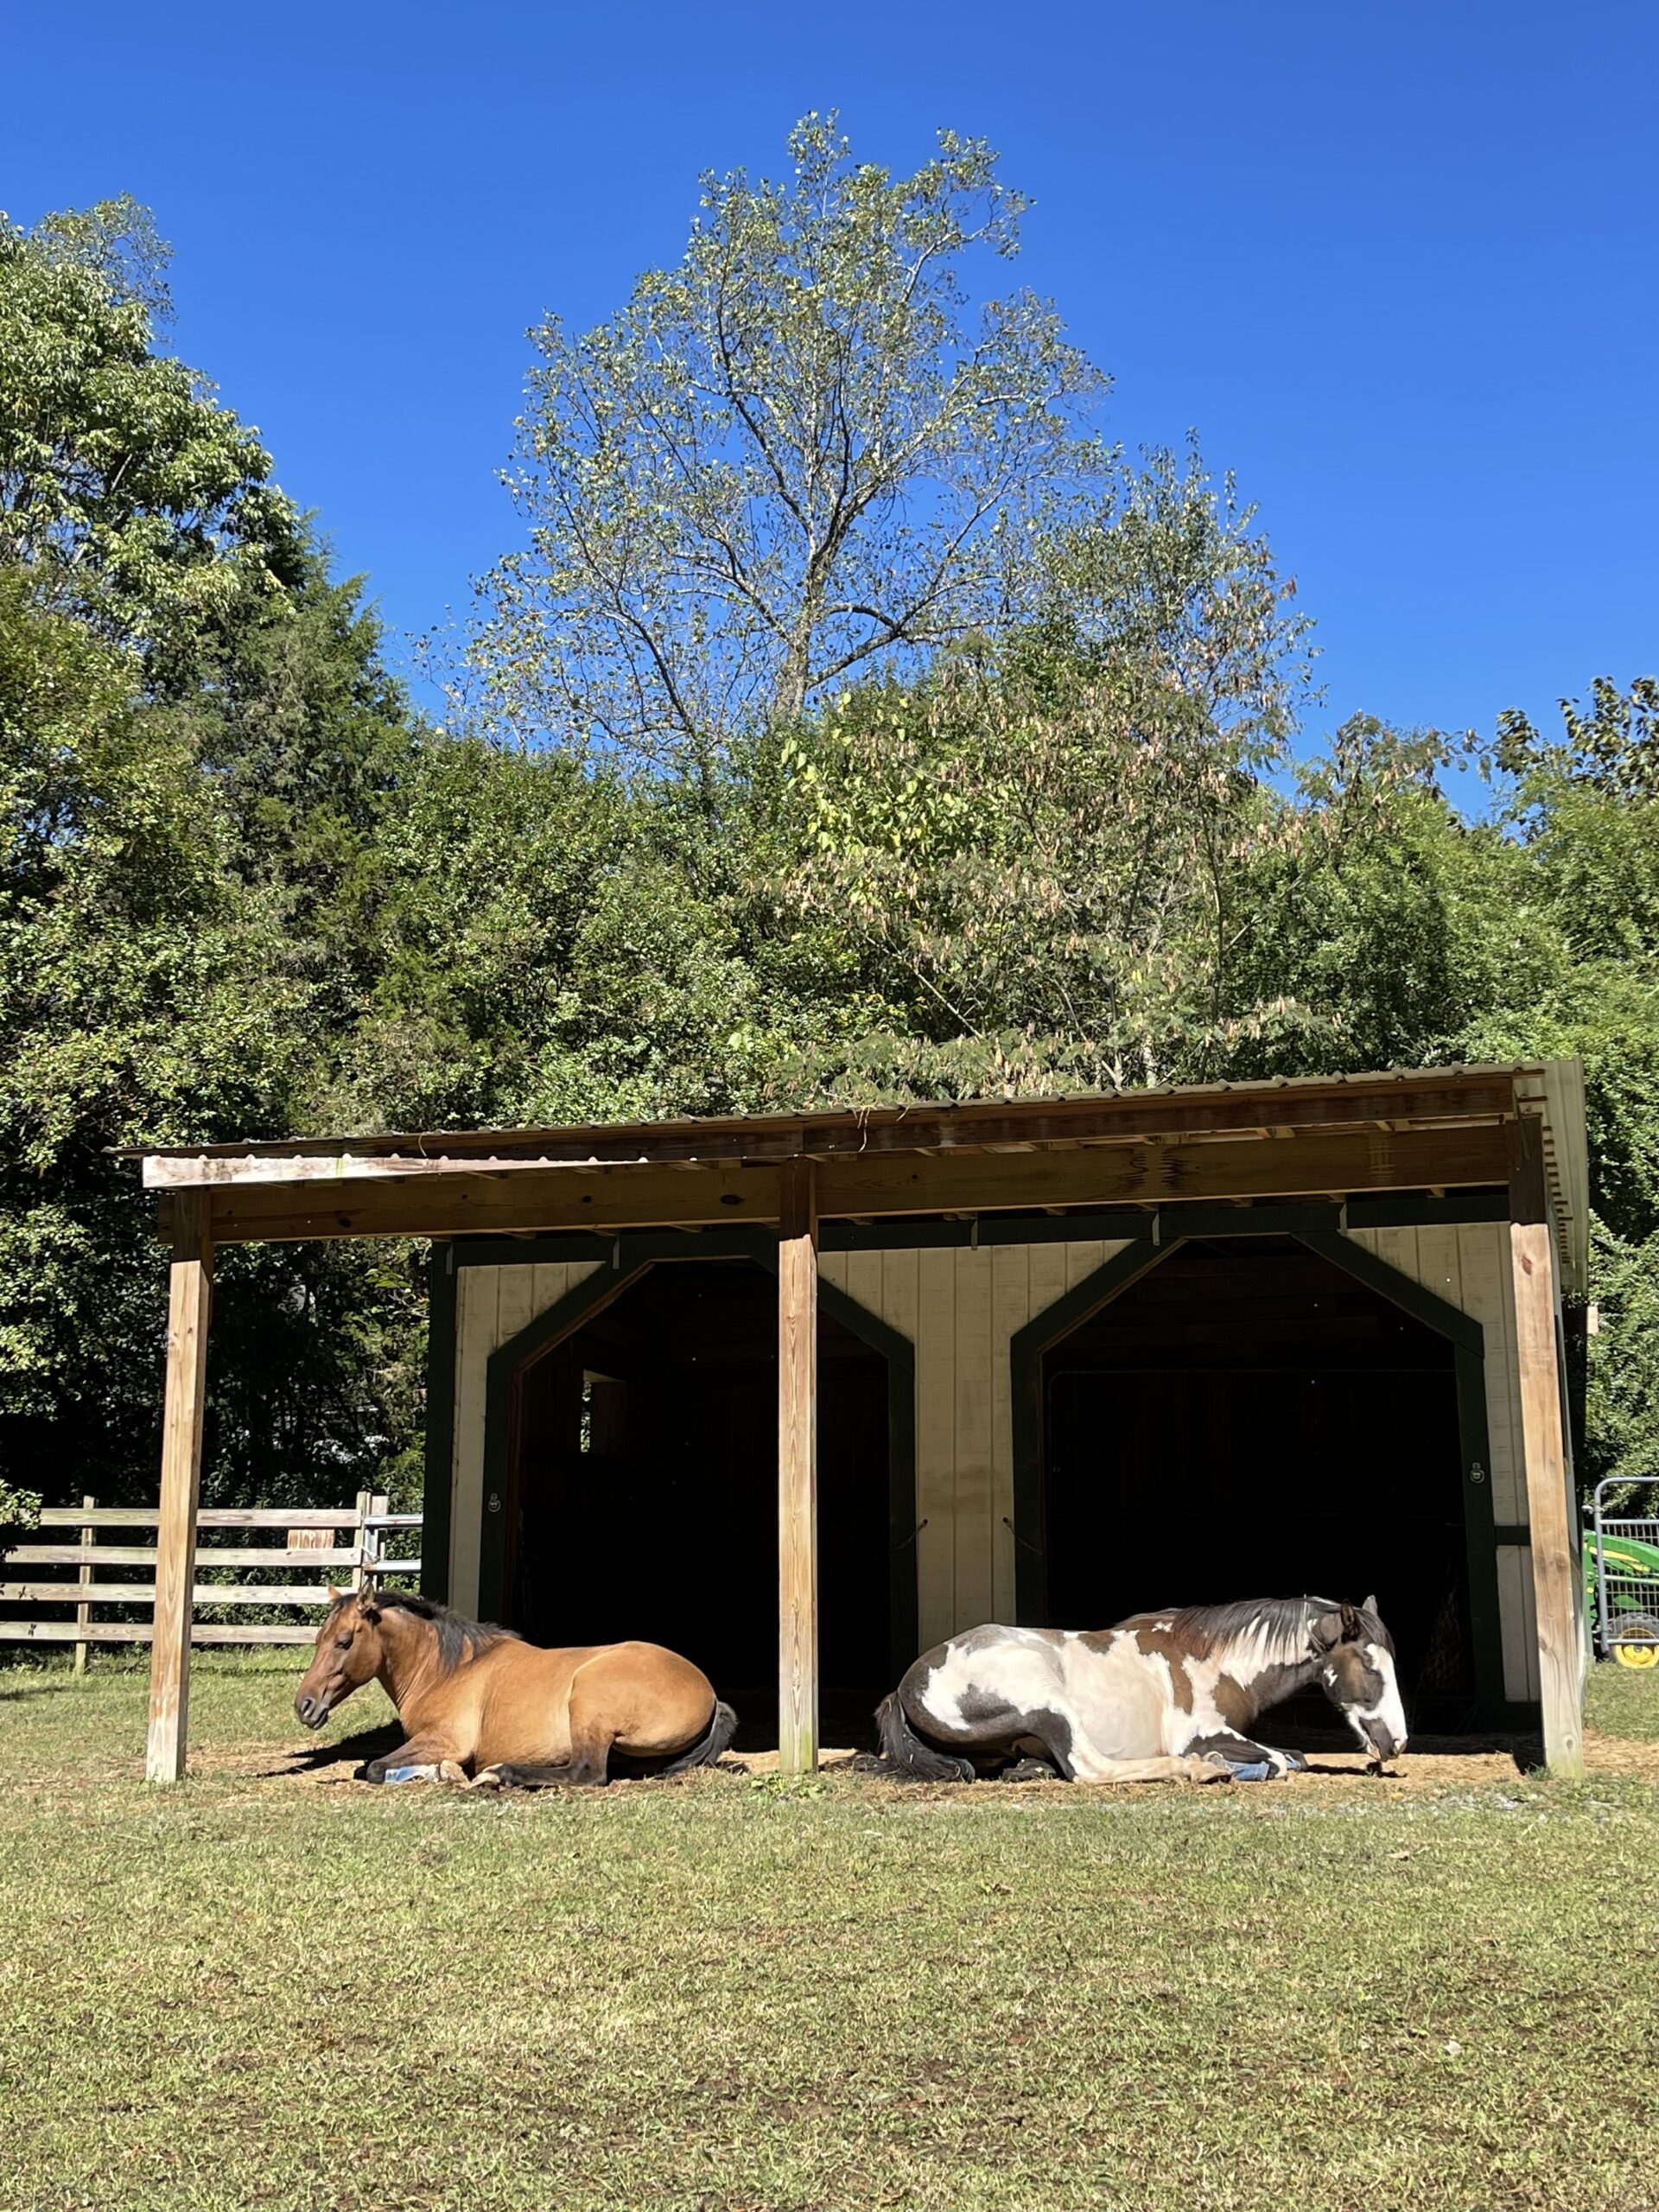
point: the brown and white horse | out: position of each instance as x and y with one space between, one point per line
1163 1696
477 1702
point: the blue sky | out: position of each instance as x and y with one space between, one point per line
1395 263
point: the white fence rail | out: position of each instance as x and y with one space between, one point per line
353 1537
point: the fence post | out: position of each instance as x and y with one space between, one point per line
83 1610
364 1507
380 1503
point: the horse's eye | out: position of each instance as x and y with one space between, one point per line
343 1642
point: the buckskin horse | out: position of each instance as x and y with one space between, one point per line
479 1702
1164 1696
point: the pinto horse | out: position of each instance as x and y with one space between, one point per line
478 1702
1163 1696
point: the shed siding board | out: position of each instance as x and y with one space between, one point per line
492 1304
1010 1310
975 1358
936 1444
1519 1621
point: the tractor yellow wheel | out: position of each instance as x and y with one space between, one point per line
1636 1655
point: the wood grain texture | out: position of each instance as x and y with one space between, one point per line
481 1200
973 1447
1555 1567
190 1297
798 1472
936 1444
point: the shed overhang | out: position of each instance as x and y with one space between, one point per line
1398 1130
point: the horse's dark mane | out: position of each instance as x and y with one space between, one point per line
459 1638
1283 1623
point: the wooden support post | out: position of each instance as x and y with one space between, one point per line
360 1576
83 1610
798 1471
188 1296
1555 1561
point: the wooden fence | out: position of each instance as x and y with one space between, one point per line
352 1537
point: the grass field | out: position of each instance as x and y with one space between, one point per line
266 1989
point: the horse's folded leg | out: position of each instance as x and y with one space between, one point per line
1204 1766
1030 1770
575 1774
419 1760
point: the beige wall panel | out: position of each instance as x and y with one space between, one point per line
477 1303
936 1443
1518 1621
1010 1311
975 1360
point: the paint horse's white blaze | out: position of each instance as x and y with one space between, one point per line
1162 1696
1380 1726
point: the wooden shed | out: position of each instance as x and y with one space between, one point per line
803 1394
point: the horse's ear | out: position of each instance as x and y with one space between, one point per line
368 1605
337 1596
1326 1630
1350 1625
1369 1605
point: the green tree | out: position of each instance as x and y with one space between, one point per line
126 491
789 458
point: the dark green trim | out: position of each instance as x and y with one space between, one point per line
501 1376
1411 1212
596 1290
438 1487
1465 1335
1190 1218
1424 1305
1025 1349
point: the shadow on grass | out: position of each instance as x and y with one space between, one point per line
349 1751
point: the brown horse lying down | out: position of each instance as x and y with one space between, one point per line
478 1702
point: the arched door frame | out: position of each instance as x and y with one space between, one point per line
1467 1338
588 1297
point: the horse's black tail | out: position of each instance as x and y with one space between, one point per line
721 1729
902 1746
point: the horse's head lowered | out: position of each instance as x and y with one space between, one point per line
347 1655
1356 1658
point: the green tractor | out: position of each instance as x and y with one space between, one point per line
1622 1599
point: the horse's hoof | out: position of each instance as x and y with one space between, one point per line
1209 1766
487 1777
454 1776
1029 1770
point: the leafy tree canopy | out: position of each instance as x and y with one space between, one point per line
792 458
126 491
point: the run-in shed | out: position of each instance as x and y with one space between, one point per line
810 1391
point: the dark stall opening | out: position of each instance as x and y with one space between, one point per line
645 1492
1247 1419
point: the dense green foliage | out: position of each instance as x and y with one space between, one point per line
1059 824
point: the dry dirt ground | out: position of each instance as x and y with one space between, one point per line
1430 1768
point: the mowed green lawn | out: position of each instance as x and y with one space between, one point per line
273 1991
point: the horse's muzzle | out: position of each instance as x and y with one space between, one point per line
311 1711
1382 1739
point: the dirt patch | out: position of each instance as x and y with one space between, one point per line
1438 1765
